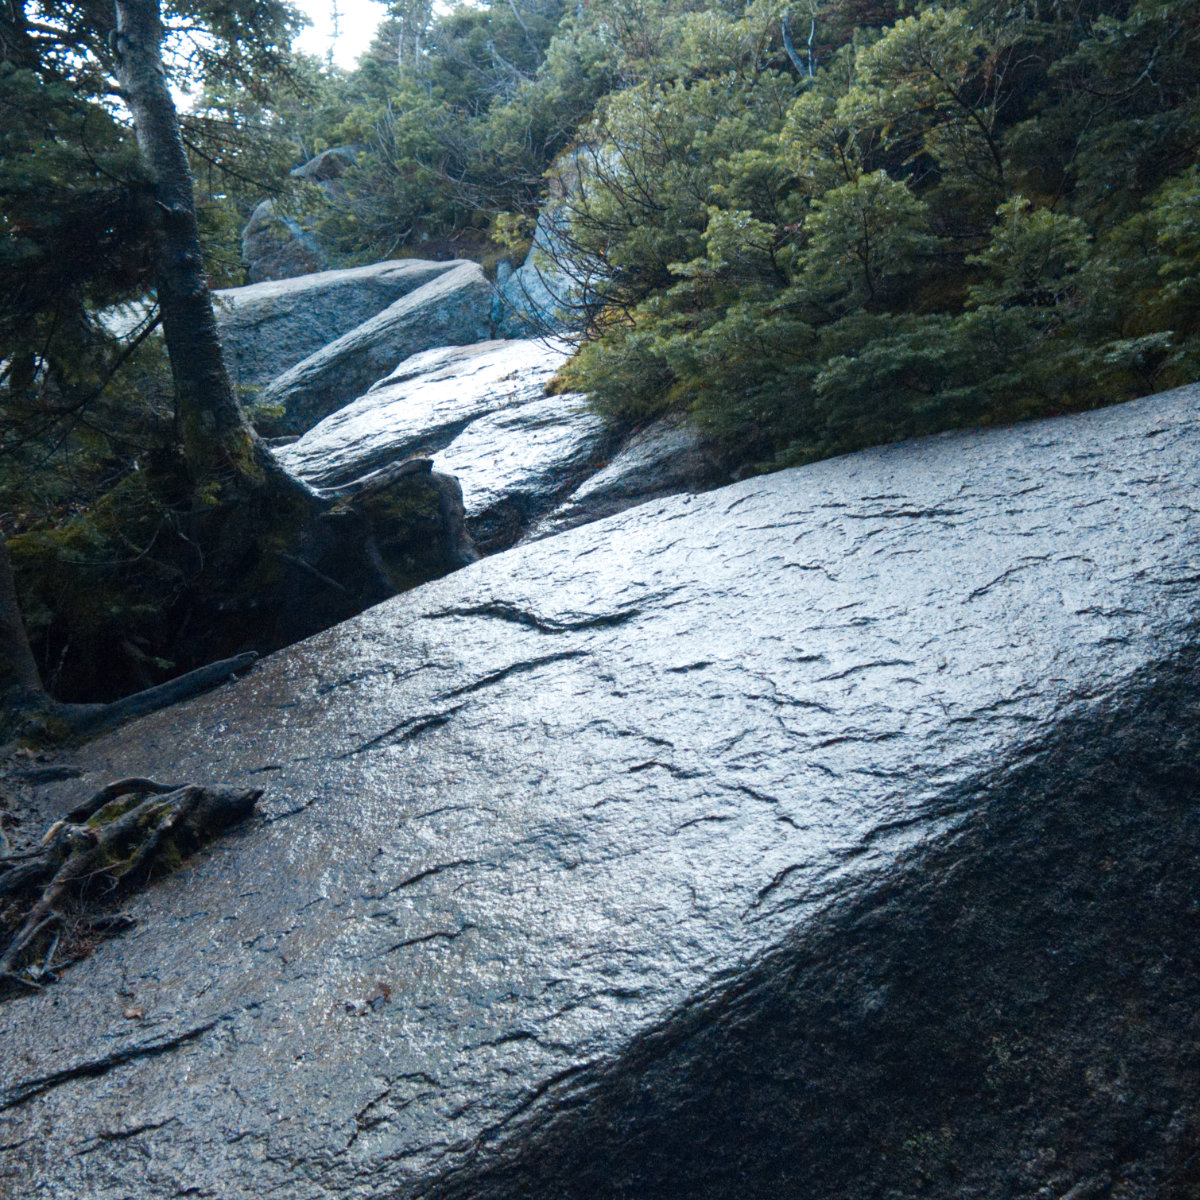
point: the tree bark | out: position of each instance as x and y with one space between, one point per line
19 677
216 438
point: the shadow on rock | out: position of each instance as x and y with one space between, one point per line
1011 1013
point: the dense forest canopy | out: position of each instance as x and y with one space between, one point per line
813 226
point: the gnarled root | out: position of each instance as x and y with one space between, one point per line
113 841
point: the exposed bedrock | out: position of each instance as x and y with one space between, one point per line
452 309
663 458
540 296
268 327
830 834
482 411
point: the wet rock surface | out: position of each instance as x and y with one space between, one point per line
452 309
666 457
832 833
482 411
268 327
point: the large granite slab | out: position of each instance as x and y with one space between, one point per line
524 823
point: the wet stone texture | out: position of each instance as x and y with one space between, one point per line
268 327
451 309
482 411
833 833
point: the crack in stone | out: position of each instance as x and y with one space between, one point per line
270 819
446 808
858 736
437 869
870 666
121 1135
20 1093
777 881
403 731
673 771
1023 565
762 797
448 935
517 668
889 513
504 611
715 819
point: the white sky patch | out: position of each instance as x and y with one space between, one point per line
357 22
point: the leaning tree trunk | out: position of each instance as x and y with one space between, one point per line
277 558
217 440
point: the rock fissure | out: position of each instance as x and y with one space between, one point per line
517 668
17 1094
403 731
502 611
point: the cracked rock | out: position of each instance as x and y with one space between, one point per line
831 834
482 411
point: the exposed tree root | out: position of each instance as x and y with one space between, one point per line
113 842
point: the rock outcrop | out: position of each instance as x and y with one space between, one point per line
541 296
831 834
275 245
450 310
268 327
482 410
665 457
281 245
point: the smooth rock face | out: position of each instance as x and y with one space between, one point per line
268 327
666 457
450 310
482 411
556 887
516 463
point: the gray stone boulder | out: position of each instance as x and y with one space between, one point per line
268 327
832 834
665 457
329 165
483 411
450 310
278 244
542 296
275 245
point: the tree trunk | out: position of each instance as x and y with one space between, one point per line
19 678
217 440
278 561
